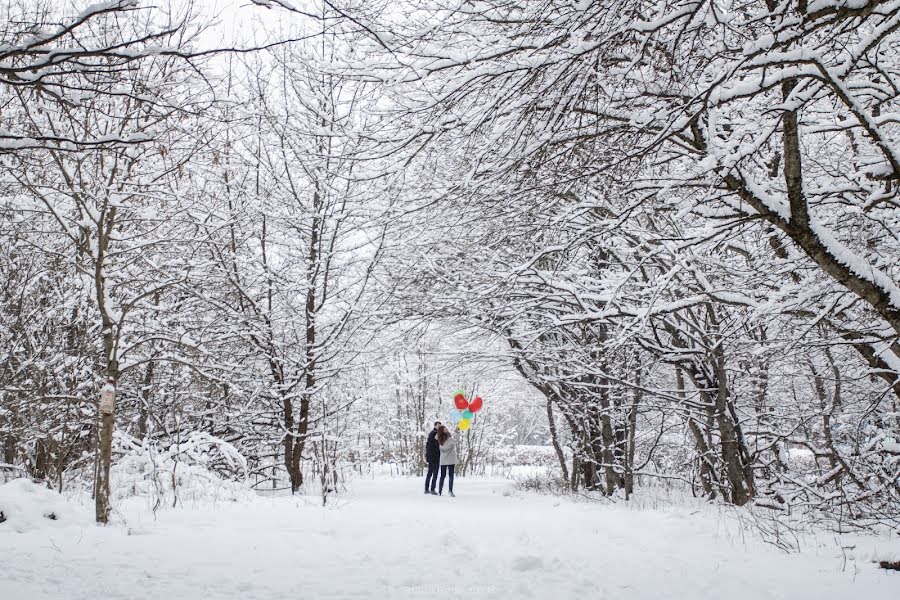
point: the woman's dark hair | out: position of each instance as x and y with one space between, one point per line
443 435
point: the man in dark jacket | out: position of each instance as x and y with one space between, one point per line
433 458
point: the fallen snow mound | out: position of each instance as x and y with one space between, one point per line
26 506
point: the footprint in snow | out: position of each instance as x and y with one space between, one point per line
527 563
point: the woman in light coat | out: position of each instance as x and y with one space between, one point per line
448 458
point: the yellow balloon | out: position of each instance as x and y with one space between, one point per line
464 424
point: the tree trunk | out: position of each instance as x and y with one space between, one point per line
311 358
705 463
110 348
554 438
146 394
9 449
707 472
608 441
107 420
714 392
741 485
630 434
292 468
101 499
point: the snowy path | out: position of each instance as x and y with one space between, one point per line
387 540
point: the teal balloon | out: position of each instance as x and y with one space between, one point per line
467 414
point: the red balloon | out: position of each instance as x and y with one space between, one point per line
476 404
460 402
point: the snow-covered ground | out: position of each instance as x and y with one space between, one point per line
385 539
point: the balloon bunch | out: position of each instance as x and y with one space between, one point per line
462 414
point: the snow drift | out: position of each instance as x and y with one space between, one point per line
27 506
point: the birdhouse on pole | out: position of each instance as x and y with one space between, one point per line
108 398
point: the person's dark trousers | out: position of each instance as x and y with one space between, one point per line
444 470
431 478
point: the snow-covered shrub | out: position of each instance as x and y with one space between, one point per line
203 468
522 454
543 482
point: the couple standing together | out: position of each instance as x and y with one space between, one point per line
440 451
